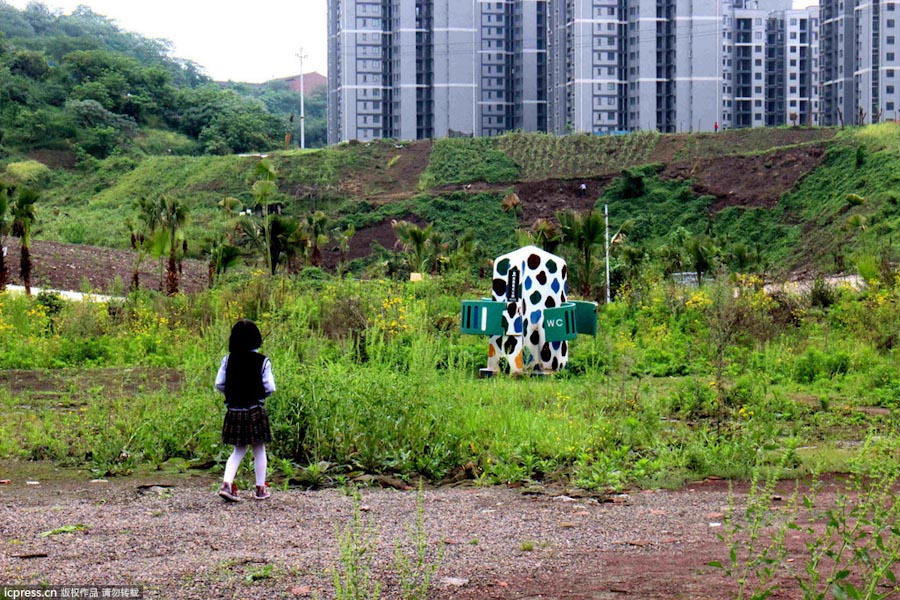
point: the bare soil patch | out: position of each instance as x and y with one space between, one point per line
69 388
170 533
77 267
751 180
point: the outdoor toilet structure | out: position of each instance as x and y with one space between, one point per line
529 318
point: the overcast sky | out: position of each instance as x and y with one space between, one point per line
250 41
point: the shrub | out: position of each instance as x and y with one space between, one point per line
821 294
29 172
855 200
465 160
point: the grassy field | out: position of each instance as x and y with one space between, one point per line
374 377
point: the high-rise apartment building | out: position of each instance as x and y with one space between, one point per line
793 95
877 70
413 69
837 52
585 65
671 72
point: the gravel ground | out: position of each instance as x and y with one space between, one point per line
174 536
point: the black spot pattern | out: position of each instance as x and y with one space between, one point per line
565 272
510 345
550 302
499 287
546 352
535 338
542 278
565 348
534 261
511 309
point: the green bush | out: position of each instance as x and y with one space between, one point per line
467 160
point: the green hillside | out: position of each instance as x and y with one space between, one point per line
763 201
78 86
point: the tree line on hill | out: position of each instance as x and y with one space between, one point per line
79 83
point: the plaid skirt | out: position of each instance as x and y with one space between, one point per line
246 427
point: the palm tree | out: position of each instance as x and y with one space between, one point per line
702 252
583 232
286 240
264 190
546 235
23 219
414 241
343 237
222 256
632 258
437 249
465 254
173 217
148 236
316 228
4 230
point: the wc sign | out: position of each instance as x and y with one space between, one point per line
554 323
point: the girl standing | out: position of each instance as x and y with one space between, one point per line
245 377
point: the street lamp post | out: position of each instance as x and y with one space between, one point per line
301 56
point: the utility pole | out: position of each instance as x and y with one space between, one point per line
606 219
301 56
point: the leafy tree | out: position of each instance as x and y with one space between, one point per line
23 215
102 131
672 254
633 259
283 102
39 17
13 23
249 130
29 64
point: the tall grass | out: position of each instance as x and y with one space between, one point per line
374 376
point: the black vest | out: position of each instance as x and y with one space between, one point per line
243 380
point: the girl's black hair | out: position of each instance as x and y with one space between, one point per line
244 337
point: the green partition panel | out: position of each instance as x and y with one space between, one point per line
586 317
559 323
482 317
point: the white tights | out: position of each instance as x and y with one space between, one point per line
260 463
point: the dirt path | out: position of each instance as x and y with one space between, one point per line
174 536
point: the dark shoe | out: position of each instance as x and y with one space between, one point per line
229 491
262 492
